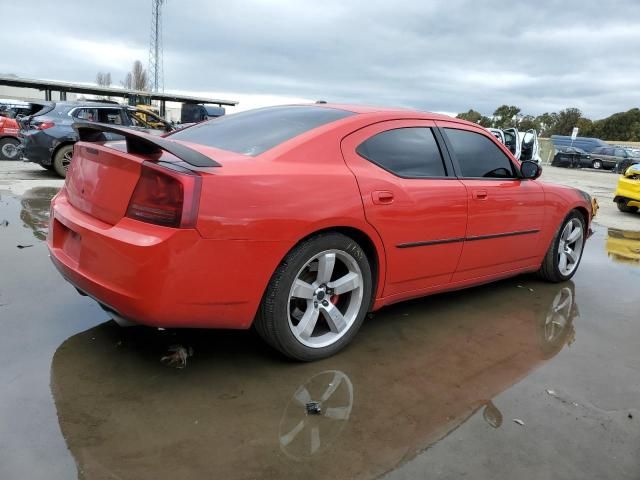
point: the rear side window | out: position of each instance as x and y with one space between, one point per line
478 156
256 131
406 152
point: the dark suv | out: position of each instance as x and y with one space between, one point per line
612 158
48 136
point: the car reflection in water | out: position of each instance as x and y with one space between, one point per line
35 210
623 246
416 372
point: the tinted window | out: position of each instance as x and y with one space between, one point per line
256 131
110 115
88 114
607 151
407 152
478 156
619 152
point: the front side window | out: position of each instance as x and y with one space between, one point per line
256 131
478 156
406 152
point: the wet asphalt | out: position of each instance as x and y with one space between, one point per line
518 379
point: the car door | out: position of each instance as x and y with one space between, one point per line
608 158
496 132
413 200
506 213
512 141
529 146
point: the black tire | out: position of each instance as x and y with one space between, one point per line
9 148
597 164
623 207
549 270
60 164
272 322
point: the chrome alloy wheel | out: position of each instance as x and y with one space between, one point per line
9 151
559 315
570 246
66 160
325 298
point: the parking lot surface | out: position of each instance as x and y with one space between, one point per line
517 379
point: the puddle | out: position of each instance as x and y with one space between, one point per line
623 246
416 372
35 210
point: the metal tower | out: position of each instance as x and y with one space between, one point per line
156 65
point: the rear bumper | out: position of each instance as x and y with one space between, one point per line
36 148
158 276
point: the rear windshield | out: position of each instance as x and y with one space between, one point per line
255 131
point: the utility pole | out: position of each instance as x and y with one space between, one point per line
156 64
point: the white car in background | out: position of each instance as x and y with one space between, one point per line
523 145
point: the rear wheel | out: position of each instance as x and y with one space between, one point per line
62 160
564 255
9 149
317 298
596 164
623 207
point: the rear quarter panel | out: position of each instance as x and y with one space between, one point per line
277 199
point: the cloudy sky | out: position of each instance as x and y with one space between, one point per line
438 56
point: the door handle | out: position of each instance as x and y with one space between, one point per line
480 194
382 197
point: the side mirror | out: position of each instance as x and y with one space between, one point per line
530 170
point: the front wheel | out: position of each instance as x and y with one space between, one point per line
564 255
596 164
317 298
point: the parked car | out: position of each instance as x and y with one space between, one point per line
194 113
301 219
612 158
588 144
523 145
9 141
627 195
9 127
48 136
571 157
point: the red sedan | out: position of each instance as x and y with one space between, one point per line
301 219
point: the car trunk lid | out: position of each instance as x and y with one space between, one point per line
103 176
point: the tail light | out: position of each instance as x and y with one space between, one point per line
43 125
165 197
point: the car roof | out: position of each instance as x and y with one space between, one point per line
393 112
88 104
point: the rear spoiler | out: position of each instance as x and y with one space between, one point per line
143 143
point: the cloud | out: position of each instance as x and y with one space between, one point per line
439 56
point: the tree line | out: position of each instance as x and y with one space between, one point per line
136 79
623 126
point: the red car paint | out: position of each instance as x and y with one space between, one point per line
253 210
9 127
